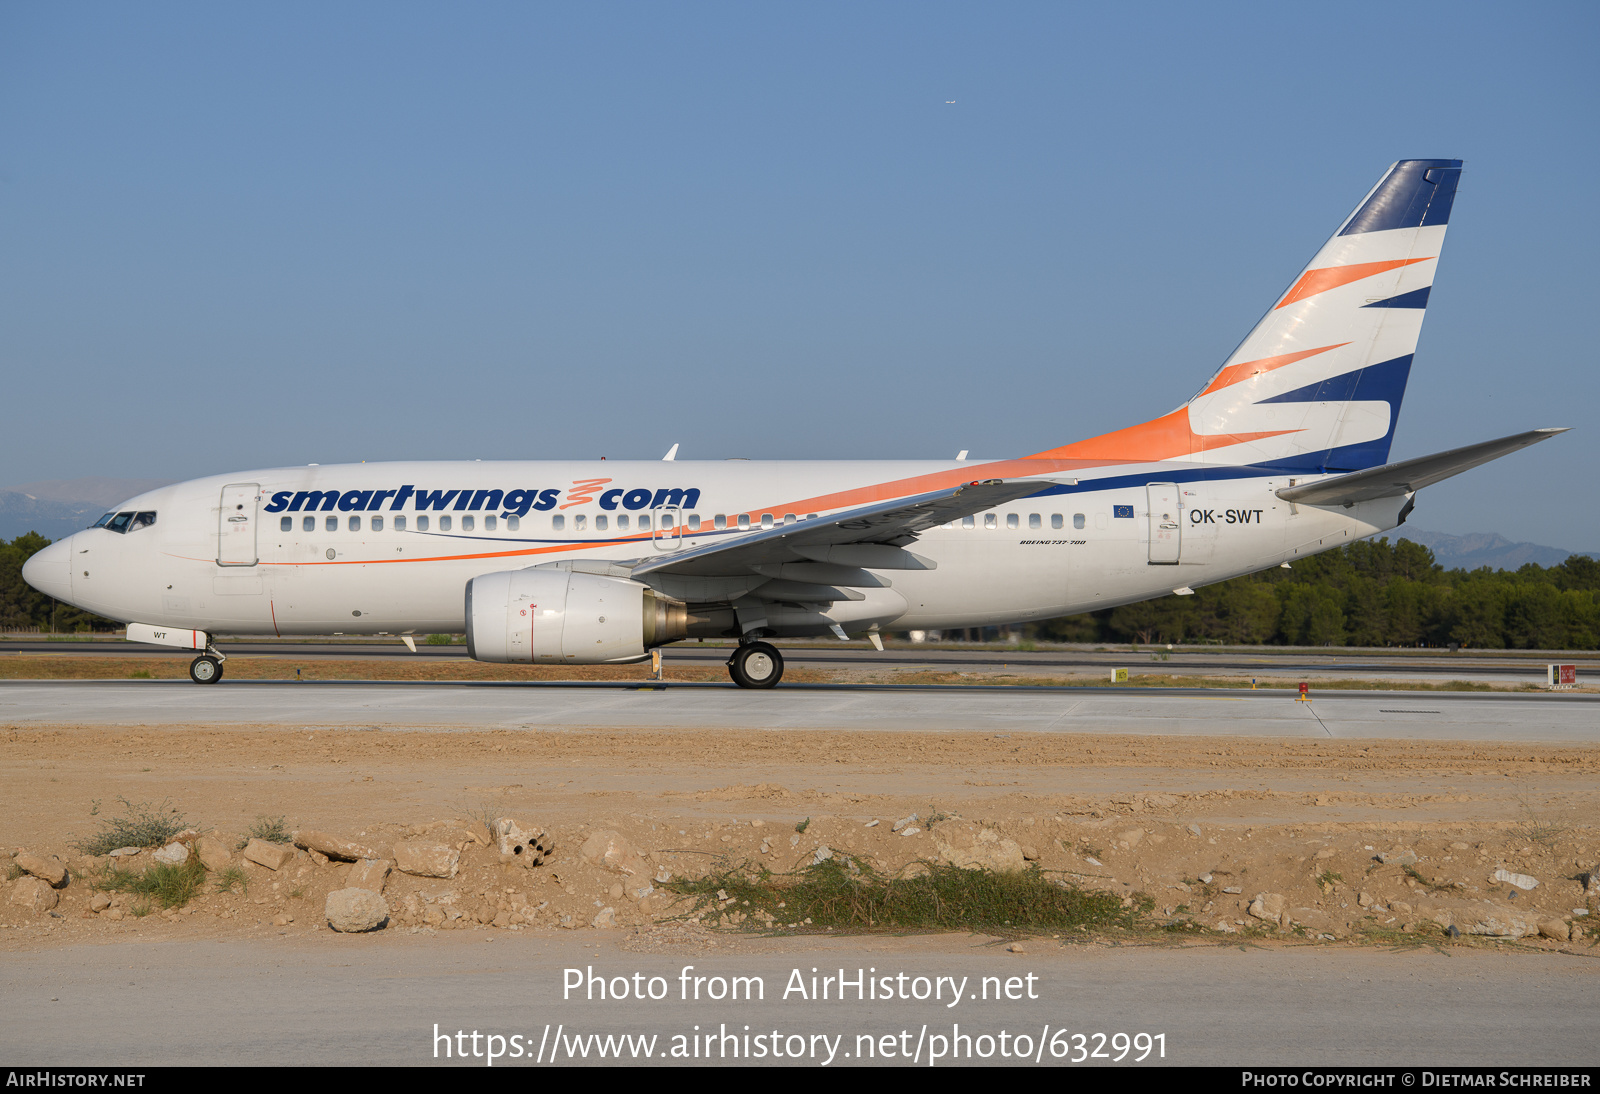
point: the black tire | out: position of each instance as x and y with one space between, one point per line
205 670
757 665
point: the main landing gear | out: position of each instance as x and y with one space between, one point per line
207 668
756 665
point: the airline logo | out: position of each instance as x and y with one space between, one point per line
509 502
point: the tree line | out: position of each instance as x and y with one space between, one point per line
1369 593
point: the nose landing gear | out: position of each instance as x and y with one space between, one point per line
756 665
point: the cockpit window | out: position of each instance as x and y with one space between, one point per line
142 520
101 523
119 523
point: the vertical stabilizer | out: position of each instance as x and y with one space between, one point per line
1317 385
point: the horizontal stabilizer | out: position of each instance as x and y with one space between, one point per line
1396 479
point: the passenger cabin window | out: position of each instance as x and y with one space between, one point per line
600 522
666 520
377 524
766 520
332 524
990 521
468 524
399 524
644 523
285 524
694 522
719 521
557 523
308 524
444 524
1077 520
513 523
422 523
969 522
489 524
1035 520
1011 520
622 522
579 522
355 524
1055 520
744 520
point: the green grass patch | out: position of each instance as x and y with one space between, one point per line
232 876
141 825
841 895
170 886
267 829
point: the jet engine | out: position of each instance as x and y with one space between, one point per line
552 616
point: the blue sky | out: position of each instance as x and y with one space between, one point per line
236 236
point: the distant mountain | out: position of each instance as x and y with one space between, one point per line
58 507
1476 549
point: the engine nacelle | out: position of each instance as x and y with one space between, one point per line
549 616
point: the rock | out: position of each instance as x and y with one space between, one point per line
614 851
354 910
271 855
1498 923
173 854
282 919
121 851
1405 857
1399 907
1015 947
641 893
1031 854
605 919
1459 846
822 854
1195 829
49 870
1160 801
910 830
35 894
1314 919
903 821
99 902
1521 881
526 847
1130 838
971 846
335 847
115 914
426 859
615 892
1554 928
213 853
1268 906
369 873
1326 852
1365 899
1591 885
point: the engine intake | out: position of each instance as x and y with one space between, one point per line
548 616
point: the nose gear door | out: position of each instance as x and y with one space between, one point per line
236 524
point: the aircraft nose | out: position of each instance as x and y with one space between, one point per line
50 570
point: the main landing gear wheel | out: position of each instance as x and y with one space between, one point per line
205 670
757 665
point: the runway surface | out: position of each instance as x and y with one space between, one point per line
1555 718
317 998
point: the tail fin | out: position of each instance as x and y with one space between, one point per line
1316 386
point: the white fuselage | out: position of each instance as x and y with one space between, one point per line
264 552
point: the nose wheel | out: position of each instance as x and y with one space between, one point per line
757 665
205 669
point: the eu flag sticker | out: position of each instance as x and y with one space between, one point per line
1122 511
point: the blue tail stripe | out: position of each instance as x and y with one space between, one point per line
1383 382
1416 298
1416 194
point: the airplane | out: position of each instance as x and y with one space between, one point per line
1281 454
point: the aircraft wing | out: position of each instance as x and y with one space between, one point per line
887 524
1408 476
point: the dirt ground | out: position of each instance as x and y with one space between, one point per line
1208 828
